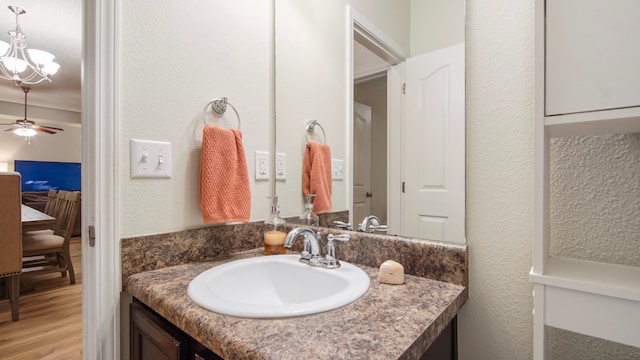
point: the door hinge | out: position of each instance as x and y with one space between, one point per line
404 88
92 236
403 187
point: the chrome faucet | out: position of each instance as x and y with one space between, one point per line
311 248
311 251
372 223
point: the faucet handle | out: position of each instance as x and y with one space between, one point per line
342 225
330 259
343 237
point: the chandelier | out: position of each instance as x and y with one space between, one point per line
22 65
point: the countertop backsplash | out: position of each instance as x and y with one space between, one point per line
433 260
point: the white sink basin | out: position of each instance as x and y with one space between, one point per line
276 286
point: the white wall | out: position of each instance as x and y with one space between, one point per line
374 94
436 24
174 58
311 82
496 322
64 146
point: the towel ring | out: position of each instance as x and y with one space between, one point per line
219 106
310 127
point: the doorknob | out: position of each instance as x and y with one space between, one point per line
369 194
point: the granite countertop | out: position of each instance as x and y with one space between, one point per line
387 322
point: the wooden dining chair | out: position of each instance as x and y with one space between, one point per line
50 208
49 252
53 203
11 238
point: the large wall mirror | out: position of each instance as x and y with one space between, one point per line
385 80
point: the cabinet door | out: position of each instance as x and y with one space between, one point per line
153 339
446 345
592 55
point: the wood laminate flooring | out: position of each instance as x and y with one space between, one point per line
50 324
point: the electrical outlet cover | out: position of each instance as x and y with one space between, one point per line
281 166
262 168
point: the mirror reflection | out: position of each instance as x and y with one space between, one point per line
345 64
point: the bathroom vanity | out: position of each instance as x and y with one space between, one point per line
409 321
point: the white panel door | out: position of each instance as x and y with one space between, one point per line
434 146
361 161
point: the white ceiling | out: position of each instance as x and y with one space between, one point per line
365 61
54 26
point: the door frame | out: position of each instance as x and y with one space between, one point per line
100 207
361 29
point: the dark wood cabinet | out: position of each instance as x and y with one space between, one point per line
446 345
154 338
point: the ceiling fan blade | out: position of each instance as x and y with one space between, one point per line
13 127
40 128
50 127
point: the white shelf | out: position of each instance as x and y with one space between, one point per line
587 297
601 316
626 120
612 280
597 299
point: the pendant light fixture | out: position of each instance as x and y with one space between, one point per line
20 64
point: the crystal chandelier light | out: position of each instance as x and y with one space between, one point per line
22 65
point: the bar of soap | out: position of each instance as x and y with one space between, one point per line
391 272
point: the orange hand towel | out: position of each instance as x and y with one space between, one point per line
225 195
316 175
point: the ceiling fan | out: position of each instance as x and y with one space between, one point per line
28 128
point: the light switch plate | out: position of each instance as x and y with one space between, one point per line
150 159
337 169
281 166
262 165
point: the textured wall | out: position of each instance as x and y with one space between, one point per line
566 345
595 215
595 198
496 323
595 192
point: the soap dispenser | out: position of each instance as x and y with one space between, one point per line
309 218
274 233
